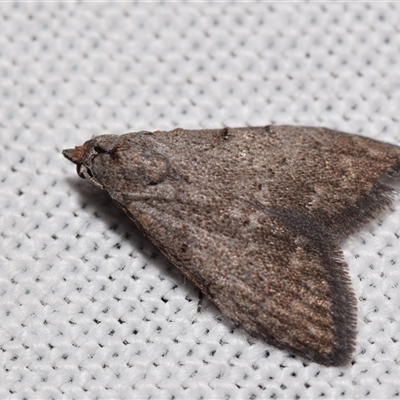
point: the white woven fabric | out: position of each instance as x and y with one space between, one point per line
89 309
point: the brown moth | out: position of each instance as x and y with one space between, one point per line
255 217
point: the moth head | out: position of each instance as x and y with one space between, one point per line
116 163
81 156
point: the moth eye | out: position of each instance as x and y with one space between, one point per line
100 150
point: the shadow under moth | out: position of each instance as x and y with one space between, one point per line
255 217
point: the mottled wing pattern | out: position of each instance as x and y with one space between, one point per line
255 217
264 277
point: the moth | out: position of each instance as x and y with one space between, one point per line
255 218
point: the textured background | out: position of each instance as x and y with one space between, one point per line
88 308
